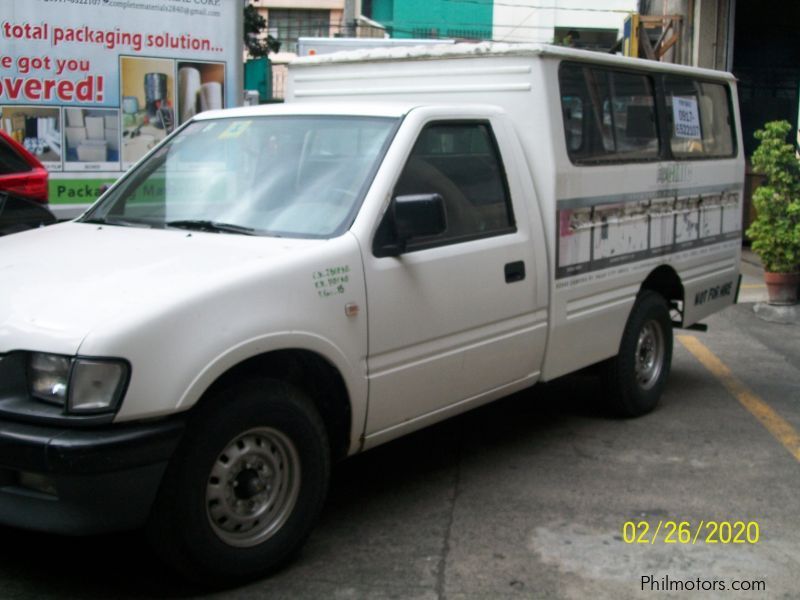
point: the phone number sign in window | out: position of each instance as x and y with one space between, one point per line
686 532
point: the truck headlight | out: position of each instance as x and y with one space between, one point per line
81 385
48 377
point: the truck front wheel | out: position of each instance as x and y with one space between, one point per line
636 377
246 485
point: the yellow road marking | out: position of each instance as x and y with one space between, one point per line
775 424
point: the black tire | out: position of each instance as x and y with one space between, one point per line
255 457
635 378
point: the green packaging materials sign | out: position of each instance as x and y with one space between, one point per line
76 191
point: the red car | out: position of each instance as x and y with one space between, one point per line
23 188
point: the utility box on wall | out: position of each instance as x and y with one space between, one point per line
258 76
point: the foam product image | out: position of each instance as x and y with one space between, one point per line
111 121
75 135
94 128
93 151
188 89
210 96
74 117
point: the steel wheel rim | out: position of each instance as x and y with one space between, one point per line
649 355
253 487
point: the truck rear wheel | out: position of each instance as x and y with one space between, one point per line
636 377
246 485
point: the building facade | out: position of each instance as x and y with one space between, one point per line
594 25
457 19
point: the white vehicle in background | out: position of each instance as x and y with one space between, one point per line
277 287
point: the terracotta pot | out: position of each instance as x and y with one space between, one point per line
782 287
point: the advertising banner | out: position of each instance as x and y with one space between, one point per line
90 86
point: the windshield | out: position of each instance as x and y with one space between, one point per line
294 176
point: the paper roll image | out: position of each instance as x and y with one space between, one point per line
188 90
211 96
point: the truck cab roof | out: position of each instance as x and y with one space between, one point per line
391 109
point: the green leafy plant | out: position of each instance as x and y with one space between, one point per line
254 42
775 232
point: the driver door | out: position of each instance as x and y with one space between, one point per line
454 318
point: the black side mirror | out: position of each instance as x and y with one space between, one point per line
418 215
409 217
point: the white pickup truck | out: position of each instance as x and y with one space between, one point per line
416 232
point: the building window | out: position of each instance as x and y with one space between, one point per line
286 25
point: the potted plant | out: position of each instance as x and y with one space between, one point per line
775 232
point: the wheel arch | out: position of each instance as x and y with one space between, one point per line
665 281
310 372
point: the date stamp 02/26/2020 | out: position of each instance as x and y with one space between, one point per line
686 532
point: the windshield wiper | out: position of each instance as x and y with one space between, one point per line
121 222
210 226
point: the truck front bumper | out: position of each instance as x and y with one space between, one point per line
83 481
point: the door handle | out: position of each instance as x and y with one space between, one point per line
515 271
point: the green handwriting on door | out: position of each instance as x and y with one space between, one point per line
331 281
